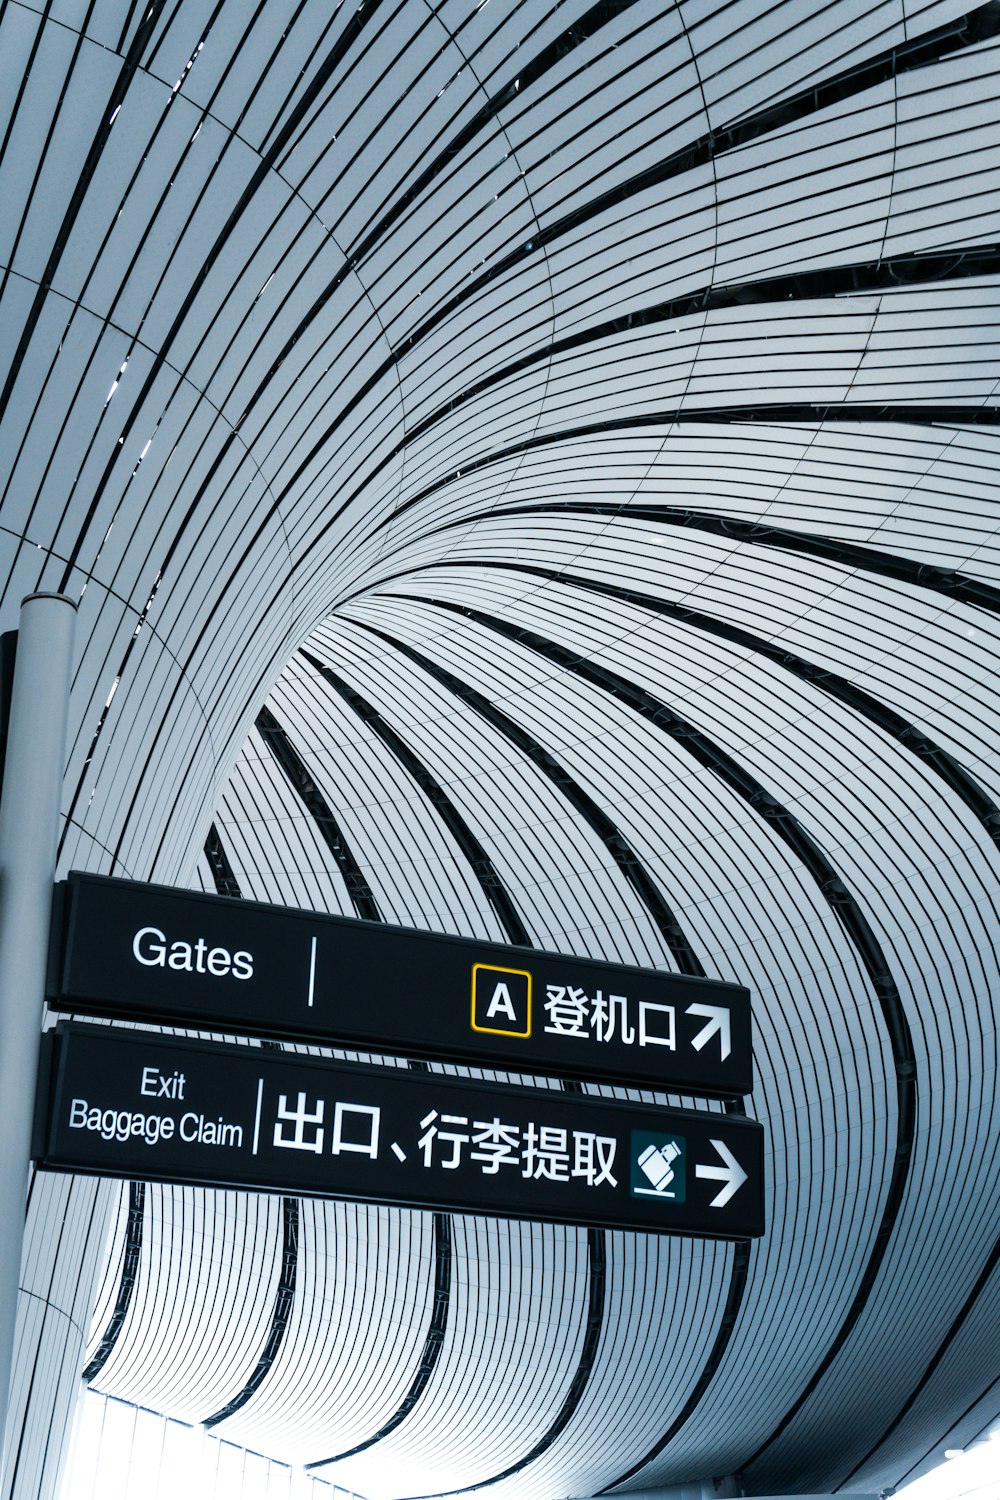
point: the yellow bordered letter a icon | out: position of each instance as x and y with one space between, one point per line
501 1000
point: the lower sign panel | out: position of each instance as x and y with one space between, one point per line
137 1104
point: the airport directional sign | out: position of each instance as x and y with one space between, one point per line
145 952
138 1104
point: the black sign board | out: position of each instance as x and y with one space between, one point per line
131 1103
147 952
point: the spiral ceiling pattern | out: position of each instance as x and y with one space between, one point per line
529 470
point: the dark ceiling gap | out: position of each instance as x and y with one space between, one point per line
727 1323
129 67
977 25
836 281
842 903
433 1340
993 1260
914 739
850 555
226 884
301 781
528 73
479 860
516 932
595 818
126 1286
366 907
223 874
595 1318
688 963
281 1313
353 29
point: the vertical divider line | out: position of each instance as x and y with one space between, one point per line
256 1123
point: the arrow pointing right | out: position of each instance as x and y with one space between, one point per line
718 1021
732 1174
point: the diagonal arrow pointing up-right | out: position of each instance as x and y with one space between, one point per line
718 1021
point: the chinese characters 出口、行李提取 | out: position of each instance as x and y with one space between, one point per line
538 1151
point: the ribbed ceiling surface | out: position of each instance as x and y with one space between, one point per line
531 471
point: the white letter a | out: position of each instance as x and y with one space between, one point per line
501 1002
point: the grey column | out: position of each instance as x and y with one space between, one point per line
29 825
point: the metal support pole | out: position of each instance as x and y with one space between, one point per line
29 826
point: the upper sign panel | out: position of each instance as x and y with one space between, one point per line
156 953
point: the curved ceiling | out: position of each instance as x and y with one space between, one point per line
530 471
